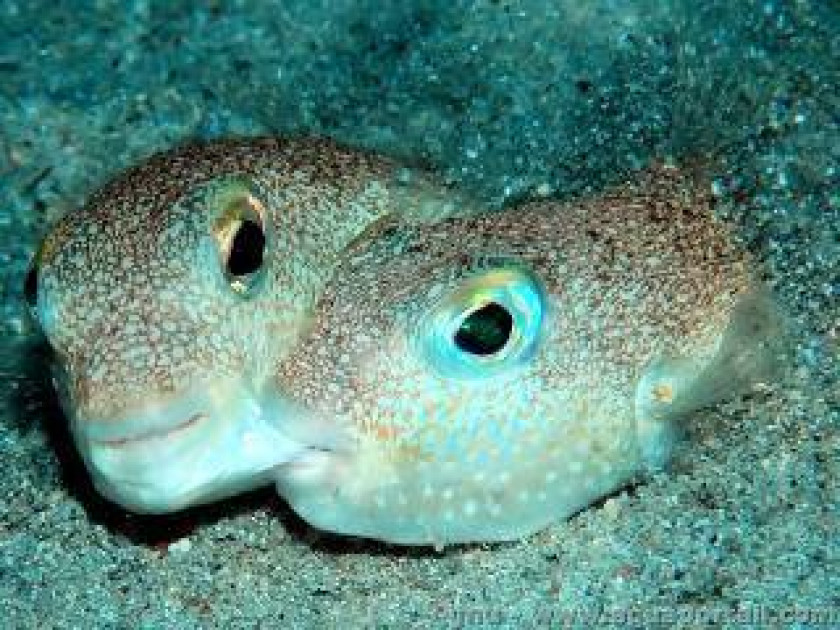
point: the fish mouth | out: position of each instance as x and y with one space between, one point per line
209 442
129 441
160 418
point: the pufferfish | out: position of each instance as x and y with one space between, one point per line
171 297
486 375
403 364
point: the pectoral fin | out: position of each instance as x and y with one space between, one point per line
748 353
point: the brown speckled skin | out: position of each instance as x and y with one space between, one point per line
641 273
637 284
136 304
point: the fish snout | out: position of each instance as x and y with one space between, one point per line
173 450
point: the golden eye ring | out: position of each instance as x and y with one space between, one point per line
239 228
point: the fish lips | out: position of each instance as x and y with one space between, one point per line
211 441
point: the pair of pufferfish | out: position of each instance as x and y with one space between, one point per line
402 362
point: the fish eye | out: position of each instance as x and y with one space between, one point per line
239 231
246 249
490 323
30 286
485 331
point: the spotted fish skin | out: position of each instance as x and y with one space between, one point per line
165 361
628 311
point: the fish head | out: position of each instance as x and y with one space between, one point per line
167 300
493 374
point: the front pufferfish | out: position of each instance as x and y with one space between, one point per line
402 365
490 374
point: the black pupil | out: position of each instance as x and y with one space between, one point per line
246 250
485 331
30 286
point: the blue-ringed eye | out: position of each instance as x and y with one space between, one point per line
488 324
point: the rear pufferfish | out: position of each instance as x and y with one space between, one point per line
401 363
171 296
